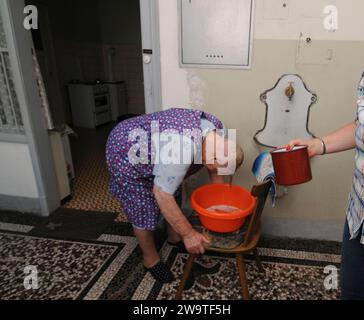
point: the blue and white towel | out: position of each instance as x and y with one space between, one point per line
263 170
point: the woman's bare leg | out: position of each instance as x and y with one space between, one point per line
152 260
147 244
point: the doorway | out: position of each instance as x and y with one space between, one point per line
99 66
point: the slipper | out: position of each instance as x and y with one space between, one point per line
161 273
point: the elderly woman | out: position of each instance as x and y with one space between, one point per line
151 186
346 138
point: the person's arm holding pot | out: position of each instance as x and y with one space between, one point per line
341 140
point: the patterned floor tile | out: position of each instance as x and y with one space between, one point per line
110 268
65 269
288 275
279 282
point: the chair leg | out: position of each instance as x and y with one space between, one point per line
258 261
186 274
242 275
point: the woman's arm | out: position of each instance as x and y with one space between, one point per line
340 140
194 241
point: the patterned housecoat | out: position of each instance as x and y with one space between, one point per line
132 184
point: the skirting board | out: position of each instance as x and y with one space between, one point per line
305 229
19 204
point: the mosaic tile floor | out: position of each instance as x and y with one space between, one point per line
109 266
66 275
288 276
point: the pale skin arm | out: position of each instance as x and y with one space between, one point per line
194 241
342 139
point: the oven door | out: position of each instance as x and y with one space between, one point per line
102 109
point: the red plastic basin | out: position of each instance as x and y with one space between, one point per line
223 194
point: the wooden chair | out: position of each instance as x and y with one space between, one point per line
249 244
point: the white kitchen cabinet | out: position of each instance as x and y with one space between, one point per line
90 104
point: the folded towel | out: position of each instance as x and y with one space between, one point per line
263 170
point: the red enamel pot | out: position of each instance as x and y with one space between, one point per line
292 167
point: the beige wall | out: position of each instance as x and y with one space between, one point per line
233 95
273 22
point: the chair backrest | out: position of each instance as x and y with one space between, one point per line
261 192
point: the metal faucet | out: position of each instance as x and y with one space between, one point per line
290 91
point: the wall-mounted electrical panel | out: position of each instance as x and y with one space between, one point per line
216 34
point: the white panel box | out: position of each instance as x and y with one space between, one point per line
216 34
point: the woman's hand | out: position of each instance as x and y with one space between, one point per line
341 140
315 147
195 241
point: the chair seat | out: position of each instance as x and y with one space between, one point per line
242 248
227 242
220 240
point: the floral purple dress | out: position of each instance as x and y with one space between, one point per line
132 184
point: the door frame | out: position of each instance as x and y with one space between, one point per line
20 45
37 136
149 18
56 101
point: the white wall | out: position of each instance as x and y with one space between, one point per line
16 171
175 88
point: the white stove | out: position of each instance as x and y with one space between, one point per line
90 104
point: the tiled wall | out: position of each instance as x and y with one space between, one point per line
128 67
77 61
82 61
89 61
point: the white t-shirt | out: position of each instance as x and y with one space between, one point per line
169 176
